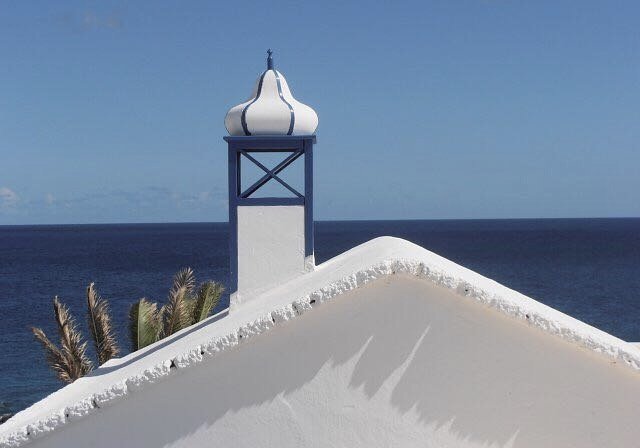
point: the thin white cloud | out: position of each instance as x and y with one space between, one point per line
8 197
146 204
204 196
92 20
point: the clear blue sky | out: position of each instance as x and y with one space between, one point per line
113 111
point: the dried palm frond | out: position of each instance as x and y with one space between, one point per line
205 301
56 359
144 324
184 279
71 342
175 314
100 326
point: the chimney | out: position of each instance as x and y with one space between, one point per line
271 237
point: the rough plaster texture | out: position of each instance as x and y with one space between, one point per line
414 351
270 248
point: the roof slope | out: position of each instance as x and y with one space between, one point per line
375 259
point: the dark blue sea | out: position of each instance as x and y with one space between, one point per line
588 268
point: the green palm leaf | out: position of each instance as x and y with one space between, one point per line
100 326
144 324
183 308
205 301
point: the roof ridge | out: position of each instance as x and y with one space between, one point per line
352 269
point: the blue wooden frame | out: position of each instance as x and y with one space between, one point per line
243 146
271 174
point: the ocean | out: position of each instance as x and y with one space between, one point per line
588 268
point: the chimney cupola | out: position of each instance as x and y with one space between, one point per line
271 235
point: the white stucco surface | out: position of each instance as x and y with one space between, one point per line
270 108
387 344
270 248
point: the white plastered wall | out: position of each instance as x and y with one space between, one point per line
271 243
399 362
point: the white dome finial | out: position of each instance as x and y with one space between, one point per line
272 109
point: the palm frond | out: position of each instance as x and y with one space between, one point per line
205 301
56 359
144 324
100 326
175 314
184 279
71 341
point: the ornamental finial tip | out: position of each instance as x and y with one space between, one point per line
269 59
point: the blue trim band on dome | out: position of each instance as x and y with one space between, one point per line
292 119
243 118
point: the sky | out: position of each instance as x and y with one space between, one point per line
114 111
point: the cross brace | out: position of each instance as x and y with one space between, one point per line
271 174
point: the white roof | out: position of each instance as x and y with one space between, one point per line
373 260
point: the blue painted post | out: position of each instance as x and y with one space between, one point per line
308 195
234 188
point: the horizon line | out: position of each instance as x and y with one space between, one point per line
324 220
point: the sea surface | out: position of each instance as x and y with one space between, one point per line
588 268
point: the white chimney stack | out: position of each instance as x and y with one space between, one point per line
271 238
